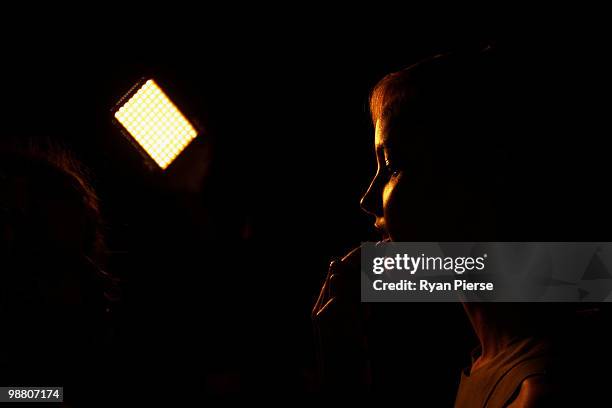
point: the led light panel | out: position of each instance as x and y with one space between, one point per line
156 124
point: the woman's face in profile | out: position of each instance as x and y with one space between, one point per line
410 196
388 190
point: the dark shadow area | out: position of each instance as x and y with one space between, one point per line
218 280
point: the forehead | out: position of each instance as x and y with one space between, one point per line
406 139
379 138
385 132
388 134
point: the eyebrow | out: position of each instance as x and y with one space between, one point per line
384 146
382 151
381 148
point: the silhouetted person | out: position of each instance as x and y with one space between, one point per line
54 298
460 158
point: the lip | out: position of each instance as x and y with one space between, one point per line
380 227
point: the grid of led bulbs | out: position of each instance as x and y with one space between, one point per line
156 124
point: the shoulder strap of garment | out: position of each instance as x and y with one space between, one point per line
511 381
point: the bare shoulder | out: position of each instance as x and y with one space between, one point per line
535 391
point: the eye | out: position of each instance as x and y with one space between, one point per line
390 169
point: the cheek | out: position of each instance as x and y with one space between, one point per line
411 209
398 208
389 194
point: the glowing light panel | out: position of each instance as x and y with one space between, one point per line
156 124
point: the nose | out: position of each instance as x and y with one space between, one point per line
371 202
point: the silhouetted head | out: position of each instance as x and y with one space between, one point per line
48 204
445 132
53 292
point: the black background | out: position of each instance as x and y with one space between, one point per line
218 285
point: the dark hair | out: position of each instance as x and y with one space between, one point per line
33 175
463 85
44 172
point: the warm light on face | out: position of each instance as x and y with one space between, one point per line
156 124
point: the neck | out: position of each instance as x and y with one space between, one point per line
493 330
